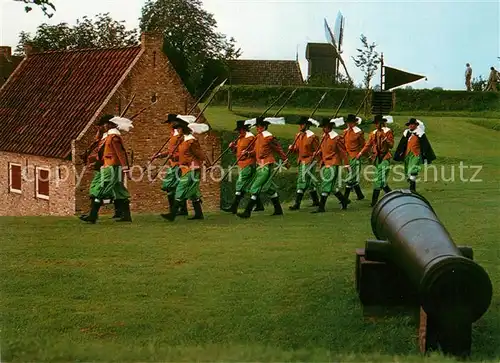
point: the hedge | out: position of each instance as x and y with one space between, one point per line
406 100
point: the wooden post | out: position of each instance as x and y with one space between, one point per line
382 72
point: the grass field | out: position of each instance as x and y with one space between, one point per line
264 289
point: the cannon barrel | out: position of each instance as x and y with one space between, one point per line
449 285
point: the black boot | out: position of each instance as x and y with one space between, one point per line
278 211
198 213
118 209
171 200
375 195
342 200
387 189
298 200
85 215
259 207
314 198
359 193
413 186
234 207
183 209
248 210
346 195
125 211
94 212
321 206
173 212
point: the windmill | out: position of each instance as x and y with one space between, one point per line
336 40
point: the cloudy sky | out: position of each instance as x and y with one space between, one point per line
432 38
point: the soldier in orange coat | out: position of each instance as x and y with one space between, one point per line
246 165
265 147
354 140
172 176
191 159
379 144
306 144
332 155
114 165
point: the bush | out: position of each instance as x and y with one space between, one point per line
407 100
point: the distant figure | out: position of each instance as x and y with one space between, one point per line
468 77
492 80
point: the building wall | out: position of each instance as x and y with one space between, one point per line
61 200
152 76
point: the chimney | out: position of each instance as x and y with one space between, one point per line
5 52
152 40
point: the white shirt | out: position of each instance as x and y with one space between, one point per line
468 72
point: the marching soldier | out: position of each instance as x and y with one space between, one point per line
246 166
332 155
414 149
306 144
265 146
191 159
114 165
354 140
172 176
380 143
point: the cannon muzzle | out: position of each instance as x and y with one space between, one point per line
449 285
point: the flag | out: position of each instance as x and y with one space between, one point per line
396 77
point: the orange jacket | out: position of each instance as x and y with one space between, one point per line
265 147
242 145
172 150
191 156
380 143
306 145
354 140
333 150
114 151
413 145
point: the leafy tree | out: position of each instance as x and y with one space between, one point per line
367 60
45 5
437 89
479 84
191 41
101 32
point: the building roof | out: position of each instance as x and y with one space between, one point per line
52 96
265 72
320 50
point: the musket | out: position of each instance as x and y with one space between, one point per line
205 106
128 106
362 102
286 101
189 112
276 113
341 103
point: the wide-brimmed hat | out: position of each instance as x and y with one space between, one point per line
171 117
178 123
240 124
325 121
351 118
304 120
260 121
104 120
379 119
412 121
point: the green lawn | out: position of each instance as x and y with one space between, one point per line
264 289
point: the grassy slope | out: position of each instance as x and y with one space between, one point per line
264 289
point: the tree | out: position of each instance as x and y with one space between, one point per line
367 60
45 5
191 41
101 32
479 84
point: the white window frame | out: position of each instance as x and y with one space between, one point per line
38 195
12 190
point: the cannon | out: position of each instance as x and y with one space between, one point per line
414 261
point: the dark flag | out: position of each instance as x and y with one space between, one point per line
396 77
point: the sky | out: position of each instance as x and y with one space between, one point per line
431 38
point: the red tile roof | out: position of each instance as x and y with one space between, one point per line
53 95
265 72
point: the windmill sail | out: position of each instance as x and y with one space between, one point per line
395 77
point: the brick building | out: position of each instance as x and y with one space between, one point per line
265 72
47 111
